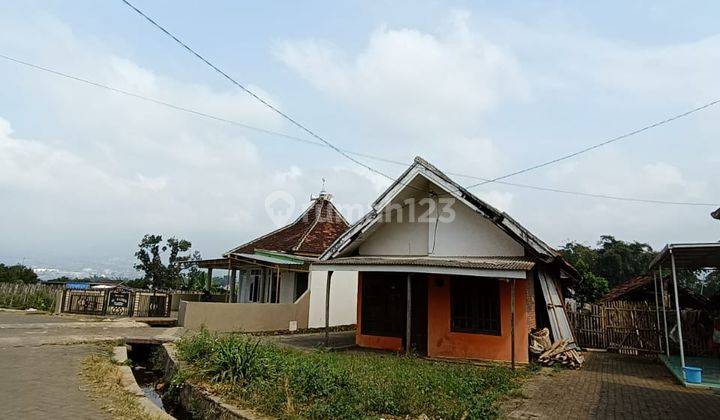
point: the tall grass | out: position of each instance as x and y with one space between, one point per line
293 384
24 296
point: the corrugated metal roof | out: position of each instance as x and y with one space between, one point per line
487 263
271 259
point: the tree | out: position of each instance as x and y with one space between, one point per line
591 287
194 279
619 261
158 274
17 273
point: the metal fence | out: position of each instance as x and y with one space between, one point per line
117 302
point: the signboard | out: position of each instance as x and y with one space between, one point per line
119 299
77 286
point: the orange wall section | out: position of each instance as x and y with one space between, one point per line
444 343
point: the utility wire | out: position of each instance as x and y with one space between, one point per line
253 94
316 143
598 145
343 153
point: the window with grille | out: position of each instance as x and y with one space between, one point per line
475 305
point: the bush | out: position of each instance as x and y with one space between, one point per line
293 384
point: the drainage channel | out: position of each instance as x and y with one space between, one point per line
150 377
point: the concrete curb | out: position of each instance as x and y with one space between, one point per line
127 380
193 396
120 356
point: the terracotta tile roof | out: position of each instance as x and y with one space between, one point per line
617 292
310 234
487 263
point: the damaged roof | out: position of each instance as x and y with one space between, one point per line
420 167
310 234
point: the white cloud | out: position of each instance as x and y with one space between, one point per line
428 83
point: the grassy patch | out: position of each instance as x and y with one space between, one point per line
104 380
293 384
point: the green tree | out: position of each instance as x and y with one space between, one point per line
195 278
157 273
619 261
591 287
17 273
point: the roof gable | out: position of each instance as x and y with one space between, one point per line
421 168
310 234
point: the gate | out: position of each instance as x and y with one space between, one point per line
117 301
624 327
84 302
151 304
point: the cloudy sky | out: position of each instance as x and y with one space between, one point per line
476 88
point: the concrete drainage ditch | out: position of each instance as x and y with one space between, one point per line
149 371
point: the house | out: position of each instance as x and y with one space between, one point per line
645 289
444 274
270 285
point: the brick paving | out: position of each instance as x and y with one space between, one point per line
612 386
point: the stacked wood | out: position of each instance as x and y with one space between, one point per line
558 352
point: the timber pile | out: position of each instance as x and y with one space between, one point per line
548 353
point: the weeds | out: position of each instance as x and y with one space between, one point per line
292 384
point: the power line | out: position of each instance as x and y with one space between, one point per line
315 143
253 94
601 144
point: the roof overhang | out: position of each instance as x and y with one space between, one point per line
473 272
689 256
495 267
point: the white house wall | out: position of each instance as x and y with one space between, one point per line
343 298
404 238
471 234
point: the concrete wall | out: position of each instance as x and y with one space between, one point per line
244 317
192 297
471 234
407 237
466 234
444 343
343 298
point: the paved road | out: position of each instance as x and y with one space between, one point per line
40 358
612 386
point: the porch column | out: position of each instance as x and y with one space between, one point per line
208 283
657 311
277 285
241 283
233 278
677 312
327 308
408 315
662 297
512 323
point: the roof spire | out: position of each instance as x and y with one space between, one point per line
324 195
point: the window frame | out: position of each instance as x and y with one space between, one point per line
473 291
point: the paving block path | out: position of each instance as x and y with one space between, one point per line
612 386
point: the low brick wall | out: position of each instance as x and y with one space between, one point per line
244 317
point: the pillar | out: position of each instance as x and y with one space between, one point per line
233 278
327 308
408 315
208 283
677 312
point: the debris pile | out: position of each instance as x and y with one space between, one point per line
548 353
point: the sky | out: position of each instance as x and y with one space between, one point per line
476 88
